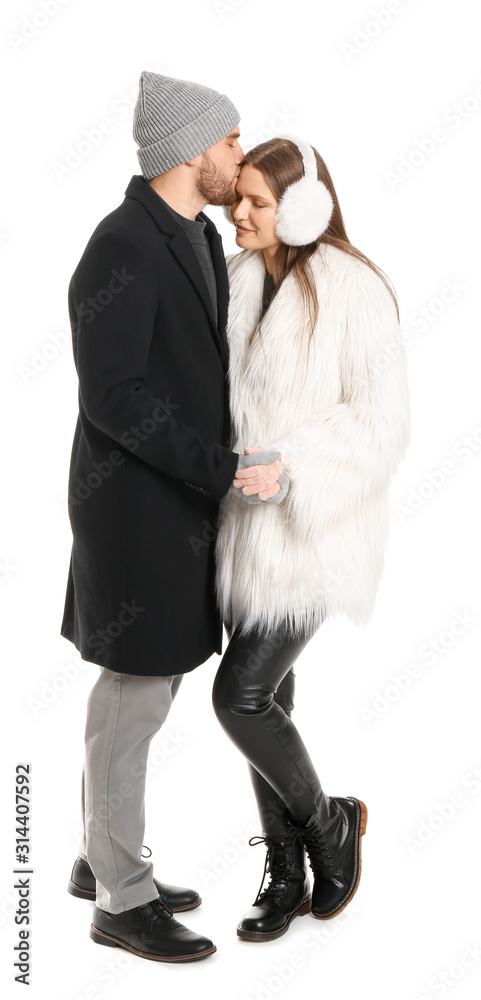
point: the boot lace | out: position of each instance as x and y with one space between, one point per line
317 846
279 870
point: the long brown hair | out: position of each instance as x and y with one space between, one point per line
280 163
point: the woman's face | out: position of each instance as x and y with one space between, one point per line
254 211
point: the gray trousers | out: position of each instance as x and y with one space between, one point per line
124 711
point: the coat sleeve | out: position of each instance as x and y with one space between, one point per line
349 451
113 301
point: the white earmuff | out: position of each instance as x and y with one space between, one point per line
306 206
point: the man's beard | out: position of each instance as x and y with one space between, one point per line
213 185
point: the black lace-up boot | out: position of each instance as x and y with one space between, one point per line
287 895
332 839
150 931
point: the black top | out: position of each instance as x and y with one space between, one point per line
270 288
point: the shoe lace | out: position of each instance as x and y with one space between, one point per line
317 846
155 911
279 870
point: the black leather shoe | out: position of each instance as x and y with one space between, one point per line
150 931
332 839
288 894
82 884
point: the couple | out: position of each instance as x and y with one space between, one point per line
238 430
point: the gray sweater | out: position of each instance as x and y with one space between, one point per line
194 230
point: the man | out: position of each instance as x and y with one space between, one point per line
150 463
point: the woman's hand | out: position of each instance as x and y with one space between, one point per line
262 480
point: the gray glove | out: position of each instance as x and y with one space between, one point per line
261 458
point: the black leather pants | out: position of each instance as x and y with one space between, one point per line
253 700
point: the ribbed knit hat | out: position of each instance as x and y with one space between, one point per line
175 120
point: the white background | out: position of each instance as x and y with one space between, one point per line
365 102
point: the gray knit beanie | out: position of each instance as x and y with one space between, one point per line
175 120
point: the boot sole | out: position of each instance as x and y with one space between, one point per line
304 907
362 821
101 938
76 890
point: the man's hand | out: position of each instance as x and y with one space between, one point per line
260 479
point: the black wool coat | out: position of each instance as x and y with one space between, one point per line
150 458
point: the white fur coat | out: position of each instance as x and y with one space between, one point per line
340 419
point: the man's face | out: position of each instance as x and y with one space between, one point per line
219 169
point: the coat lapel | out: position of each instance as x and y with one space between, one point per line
214 240
180 246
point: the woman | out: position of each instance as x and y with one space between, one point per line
318 374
